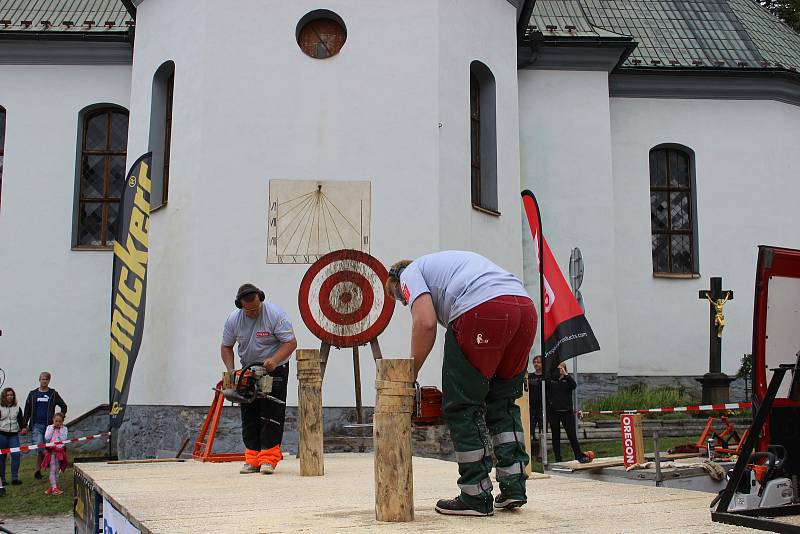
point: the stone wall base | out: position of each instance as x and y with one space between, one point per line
151 431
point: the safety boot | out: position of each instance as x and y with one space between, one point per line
458 507
247 469
267 469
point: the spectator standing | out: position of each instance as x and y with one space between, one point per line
40 406
55 456
11 426
561 413
535 402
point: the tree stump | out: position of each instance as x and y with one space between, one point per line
394 481
310 407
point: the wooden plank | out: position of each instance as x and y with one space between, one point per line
147 461
600 463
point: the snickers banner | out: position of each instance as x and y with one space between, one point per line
129 283
565 330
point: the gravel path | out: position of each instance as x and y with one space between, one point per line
55 524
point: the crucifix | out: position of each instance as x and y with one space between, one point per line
716 299
715 382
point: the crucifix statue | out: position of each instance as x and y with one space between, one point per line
715 382
719 317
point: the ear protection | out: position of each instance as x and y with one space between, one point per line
395 291
249 291
396 271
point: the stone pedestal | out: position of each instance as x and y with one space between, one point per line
716 387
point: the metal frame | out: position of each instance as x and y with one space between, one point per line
93 524
668 189
107 153
205 439
475 138
759 518
2 143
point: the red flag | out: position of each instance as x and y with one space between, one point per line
565 329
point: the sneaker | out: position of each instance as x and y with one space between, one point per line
267 469
37 475
56 491
457 507
48 491
16 482
247 469
507 503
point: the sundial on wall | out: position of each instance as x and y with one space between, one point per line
308 219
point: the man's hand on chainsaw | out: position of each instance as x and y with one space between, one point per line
269 365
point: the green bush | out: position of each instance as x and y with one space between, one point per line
640 397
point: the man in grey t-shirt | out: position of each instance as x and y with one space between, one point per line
491 323
264 336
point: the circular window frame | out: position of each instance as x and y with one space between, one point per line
313 16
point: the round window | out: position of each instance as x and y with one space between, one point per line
321 34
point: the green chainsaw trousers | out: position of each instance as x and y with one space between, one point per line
480 411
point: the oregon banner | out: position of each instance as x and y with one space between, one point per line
129 284
566 332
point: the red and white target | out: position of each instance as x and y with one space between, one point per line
342 298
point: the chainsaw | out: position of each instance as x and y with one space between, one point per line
764 483
427 410
243 386
427 406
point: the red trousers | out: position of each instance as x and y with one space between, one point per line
497 336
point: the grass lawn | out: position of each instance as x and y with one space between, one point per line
606 448
29 498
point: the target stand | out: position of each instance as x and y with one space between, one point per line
343 302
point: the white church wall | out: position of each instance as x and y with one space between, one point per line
565 147
745 182
249 107
54 309
482 31
470 31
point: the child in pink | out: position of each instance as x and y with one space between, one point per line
55 456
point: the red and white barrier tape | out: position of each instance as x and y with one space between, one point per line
26 448
700 408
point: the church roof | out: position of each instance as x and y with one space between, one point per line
677 33
63 17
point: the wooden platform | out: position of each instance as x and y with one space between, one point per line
195 497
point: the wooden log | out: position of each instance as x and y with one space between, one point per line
397 392
394 403
394 481
381 384
310 408
307 354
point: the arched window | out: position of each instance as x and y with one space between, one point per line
483 137
2 144
161 131
672 210
104 143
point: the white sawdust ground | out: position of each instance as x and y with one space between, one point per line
194 497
